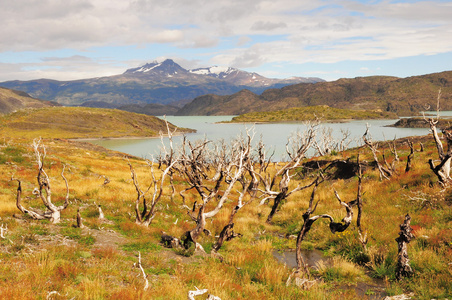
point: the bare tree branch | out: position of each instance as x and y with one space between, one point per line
44 191
146 281
442 170
384 172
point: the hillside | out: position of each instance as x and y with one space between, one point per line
78 122
403 96
207 105
11 100
321 112
443 123
157 82
114 257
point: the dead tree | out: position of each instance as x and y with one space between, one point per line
167 156
442 170
276 186
403 268
3 230
79 219
359 202
410 156
325 143
249 182
212 172
145 277
386 170
197 292
147 212
44 192
308 221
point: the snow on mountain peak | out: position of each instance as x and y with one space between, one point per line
218 70
215 71
147 67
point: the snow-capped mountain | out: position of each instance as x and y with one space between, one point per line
169 68
156 82
215 71
165 68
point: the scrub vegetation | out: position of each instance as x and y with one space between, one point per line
112 256
322 112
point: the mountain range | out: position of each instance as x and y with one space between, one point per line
236 92
403 96
157 82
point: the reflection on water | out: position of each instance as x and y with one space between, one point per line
310 257
274 136
371 290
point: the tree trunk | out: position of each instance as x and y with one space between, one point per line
409 158
301 266
281 196
403 268
79 219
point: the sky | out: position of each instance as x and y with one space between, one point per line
330 39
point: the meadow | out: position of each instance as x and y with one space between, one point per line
106 259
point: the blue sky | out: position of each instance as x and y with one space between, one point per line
330 39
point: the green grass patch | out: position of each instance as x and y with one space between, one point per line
77 235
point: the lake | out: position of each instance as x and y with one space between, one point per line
273 135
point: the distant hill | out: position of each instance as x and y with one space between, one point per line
81 122
443 123
158 82
320 112
11 101
404 96
236 104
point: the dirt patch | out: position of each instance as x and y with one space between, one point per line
106 238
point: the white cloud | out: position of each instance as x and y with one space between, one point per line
63 68
296 31
267 26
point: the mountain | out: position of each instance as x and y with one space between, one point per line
239 77
157 82
404 96
11 100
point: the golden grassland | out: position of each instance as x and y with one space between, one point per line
321 112
99 261
81 122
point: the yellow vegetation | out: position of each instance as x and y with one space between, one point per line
97 262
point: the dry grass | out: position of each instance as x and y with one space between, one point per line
339 269
81 122
42 257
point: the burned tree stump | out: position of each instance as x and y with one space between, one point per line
79 219
403 268
169 241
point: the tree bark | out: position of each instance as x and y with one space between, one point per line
410 157
281 196
79 219
403 268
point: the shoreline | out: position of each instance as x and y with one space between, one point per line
299 121
124 137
